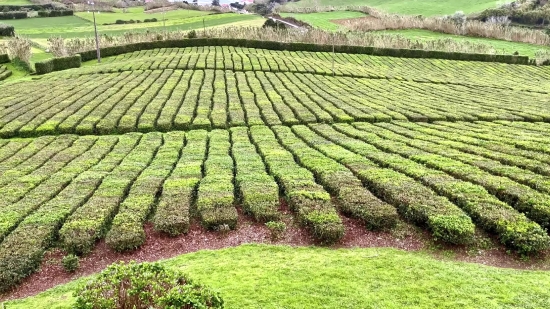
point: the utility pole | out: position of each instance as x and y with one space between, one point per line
333 55
96 36
164 21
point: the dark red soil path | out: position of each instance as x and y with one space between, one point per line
159 246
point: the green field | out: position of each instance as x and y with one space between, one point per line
416 7
137 13
76 27
324 20
255 276
504 47
15 2
218 140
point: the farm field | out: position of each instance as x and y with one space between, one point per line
504 47
327 21
324 20
267 87
160 139
351 276
76 27
14 2
137 13
418 7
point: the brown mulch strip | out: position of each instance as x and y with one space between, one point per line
159 246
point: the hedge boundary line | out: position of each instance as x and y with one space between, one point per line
33 7
57 64
390 52
4 58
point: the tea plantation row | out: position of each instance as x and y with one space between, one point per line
448 177
164 100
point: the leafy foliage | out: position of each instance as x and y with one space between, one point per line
144 286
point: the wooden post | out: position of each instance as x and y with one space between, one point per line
333 56
96 40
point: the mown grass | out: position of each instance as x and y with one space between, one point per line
415 7
137 13
324 20
14 2
507 47
24 26
76 27
261 276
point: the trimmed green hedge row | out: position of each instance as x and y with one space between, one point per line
404 53
6 30
352 197
257 190
310 201
416 202
58 64
127 231
513 228
215 196
32 7
4 73
55 13
22 251
13 15
534 204
27 192
179 190
89 222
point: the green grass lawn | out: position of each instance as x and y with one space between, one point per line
24 26
261 276
76 27
15 2
137 13
413 7
39 55
323 20
507 47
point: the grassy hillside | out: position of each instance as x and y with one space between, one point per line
414 7
505 47
137 13
259 276
324 20
76 27
14 2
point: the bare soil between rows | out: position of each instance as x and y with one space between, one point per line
159 246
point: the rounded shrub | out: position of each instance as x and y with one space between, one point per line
70 263
144 286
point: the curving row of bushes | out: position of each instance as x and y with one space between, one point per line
179 190
90 221
32 7
353 199
414 201
58 64
22 250
55 13
13 15
256 189
391 52
514 229
309 200
6 30
215 196
127 231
